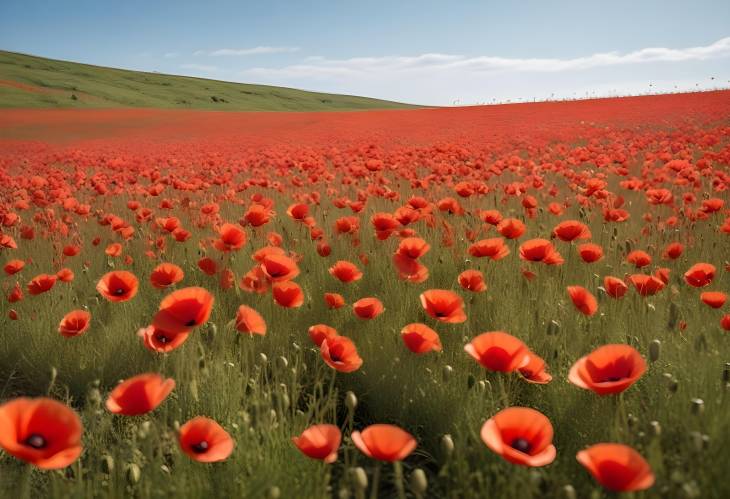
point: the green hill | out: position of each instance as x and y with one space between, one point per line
35 82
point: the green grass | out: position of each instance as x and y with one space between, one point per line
49 83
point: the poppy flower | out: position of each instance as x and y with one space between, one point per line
498 351
639 258
443 305
13 267
288 294
472 280
205 441
419 338
700 275
65 275
615 287
409 269
165 275
345 271
368 308
298 211
646 285
208 265
254 281
340 353
714 299
118 286
113 250
139 394
662 274
725 322
492 217
673 251
74 323
590 252
384 442
319 332
230 238
413 248
540 250
534 370
41 283
250 321
521 436
40 431
494 248
184 309
583 300
334 300
319 441
571 230
279 268
617 467
608 369
157 340
511 228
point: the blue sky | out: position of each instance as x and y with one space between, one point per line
428 52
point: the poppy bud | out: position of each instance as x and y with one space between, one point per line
176 425
447 445
726 373
654 349
632 420
470 380
553 327
282 363
343 493
446 372
656 428
107 464
273 492
133 473
194 389
263 359
94 397
350 401
568 492
144 430
419 482
697 441
359 478
212 329
698 406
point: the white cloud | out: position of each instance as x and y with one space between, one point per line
246 51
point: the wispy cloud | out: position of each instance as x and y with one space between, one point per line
246 51
200 67
170 55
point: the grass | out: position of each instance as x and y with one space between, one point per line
36 82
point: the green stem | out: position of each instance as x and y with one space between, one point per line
398 469
376 481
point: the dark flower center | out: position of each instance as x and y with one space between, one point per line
162 339
190 323
441 314
36 441
119 291
200 447
613 378
521 445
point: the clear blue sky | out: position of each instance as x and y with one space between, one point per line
416 51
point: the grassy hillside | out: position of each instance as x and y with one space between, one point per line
35 82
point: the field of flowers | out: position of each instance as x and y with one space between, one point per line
519 301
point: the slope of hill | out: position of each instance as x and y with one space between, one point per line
35 82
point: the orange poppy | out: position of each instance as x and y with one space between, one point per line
714 299
13 266
472 280
608 369
590 252
139 394
118 286
540 250
165 275
41 283
205 441
250 321
113 250
298 211
334 300
345 271
65 275
254 281
639 258
673 251
184 309
288 294
279 268
413 248
368 308
340 353
419 338
409 269
583 300
646 285
320 332
262 253
498 351
157 340
662 274
230 238
617 467
570 230
494 248
208 265
384 442
40 431
74 323
521 436
534 370
511 228
725 322
615 287
443 305
319 441
700 275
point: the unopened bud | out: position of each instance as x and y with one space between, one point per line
419 482
698 406
359 478
351 401
447 445
654 350
568 492
133 473
446 372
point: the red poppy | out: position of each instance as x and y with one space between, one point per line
254 281
494 248
230 238
498 351
646 285
139 394
250 321
511 228
184 309
340 353
334 300
443 305
639 258
113 250
118 286
617 467
74 323
583 300
409 269
521 436
662 274
65 275
725 322
540 250
384 442
700 275
714 299
298 211
472 280
288 294
40 431
205 441
590 252
615 287
345 271
157 340
319 441
534 370
41 283
320 332
279 268
413 248
166 275
608 369
14 266
419 338
368 308
571 230
208 265
673 251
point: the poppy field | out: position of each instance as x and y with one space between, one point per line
515 301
